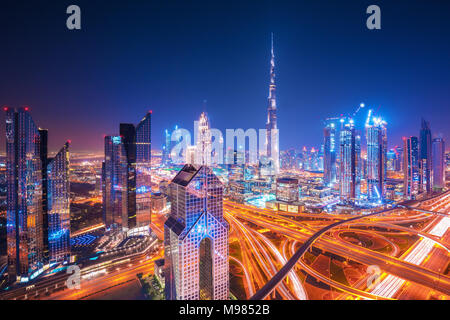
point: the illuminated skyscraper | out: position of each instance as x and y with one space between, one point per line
438 163
115 213
58 190
348 182
329 157
24 212
127 178
376 137
411 167
30 197
204 141
272 138
143 173
196 238
128 139
167 147
425 164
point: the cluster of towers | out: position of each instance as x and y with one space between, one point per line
421 160
423 163
126 178
351 167
38 199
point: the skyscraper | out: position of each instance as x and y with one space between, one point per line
126 173
143 173
376 137
24 195
272 139
425 165
348 164
329 157
204 141
196 237
128 139
411 167
31 197
115 213
438 161
58 190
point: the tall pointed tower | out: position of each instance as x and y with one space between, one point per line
271 125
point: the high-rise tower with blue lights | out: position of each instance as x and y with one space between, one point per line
348 148
126 173
272 137
376 136
34 198
411 167
425 155
329 156
196 238
58 191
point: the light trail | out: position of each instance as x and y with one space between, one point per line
390 285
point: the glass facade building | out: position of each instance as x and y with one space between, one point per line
425 154
376 136
196 238
349 146
126 178
58 191
115 213
37 192
438 163
143 173
24 195
329 156
411 167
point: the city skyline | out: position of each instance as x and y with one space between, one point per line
315 168
229 71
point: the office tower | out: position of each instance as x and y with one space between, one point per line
348 164
305 159
359 166
115 211
376 137
235 165
196 237
329 157
29 199
143 173
58 189
126 178
43 133
391 158
128 138
272 140
438 161
399 159
24 195
167 147
204 141
314 159
320 158
411 167
425 164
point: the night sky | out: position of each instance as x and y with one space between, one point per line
169 56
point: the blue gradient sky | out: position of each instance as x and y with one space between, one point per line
170 56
